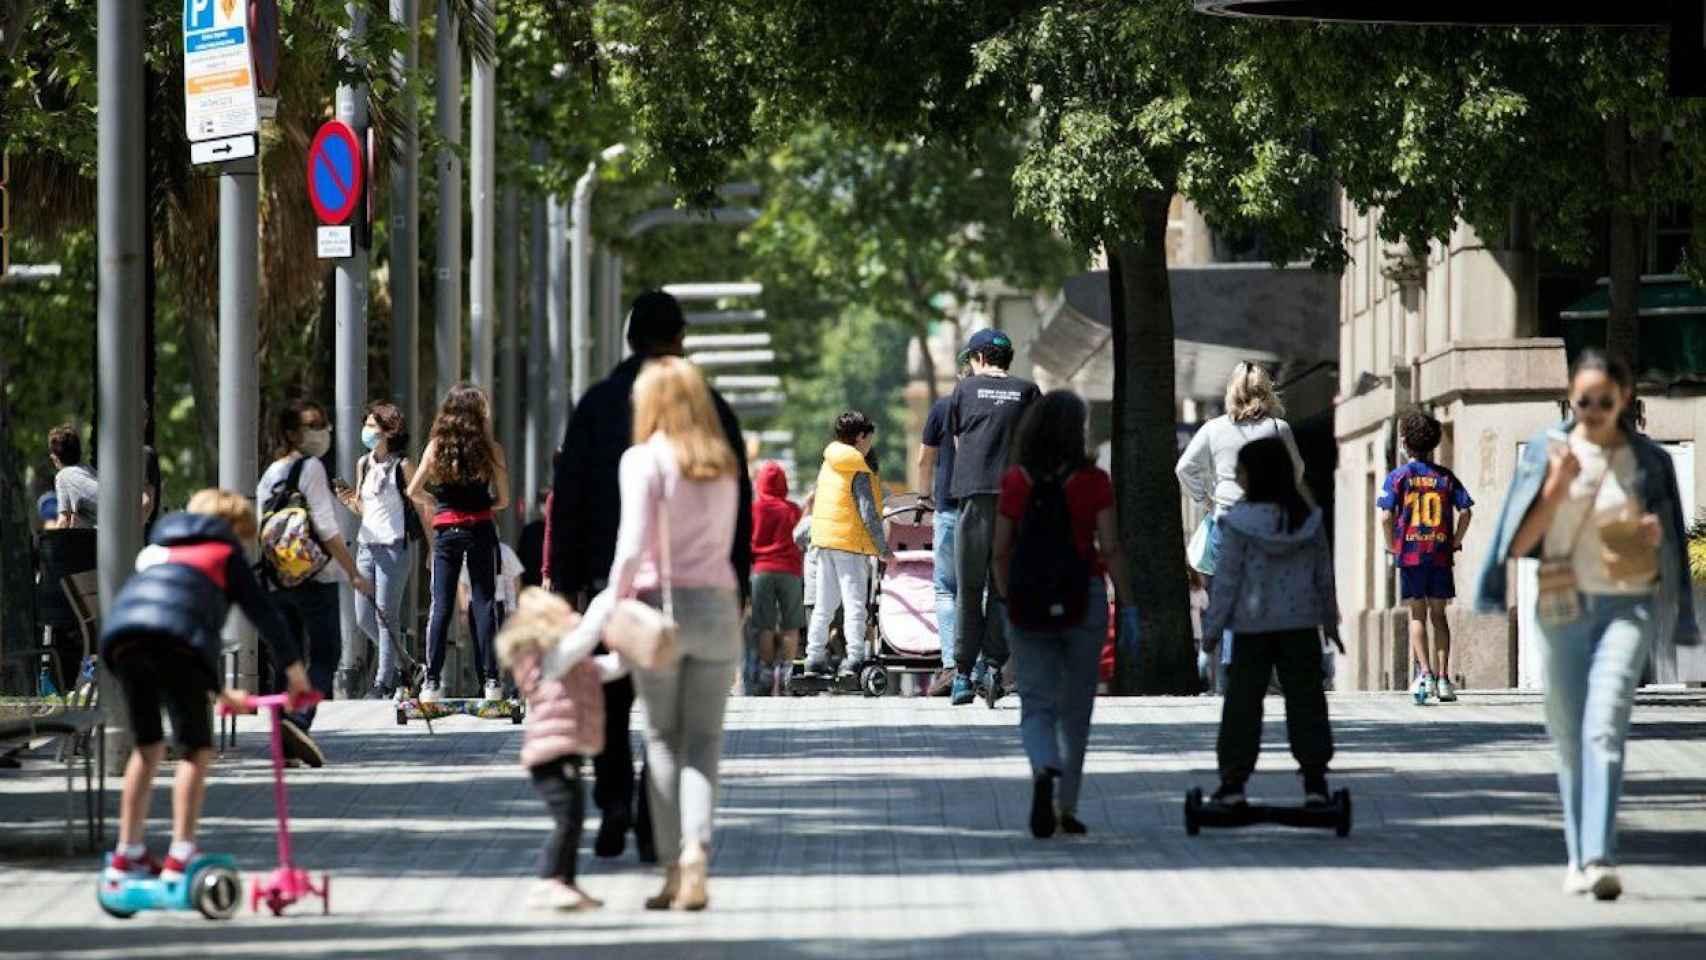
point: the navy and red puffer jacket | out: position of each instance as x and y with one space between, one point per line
186 580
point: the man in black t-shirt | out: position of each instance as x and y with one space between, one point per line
983 413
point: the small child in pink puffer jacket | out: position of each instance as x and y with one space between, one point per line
565 722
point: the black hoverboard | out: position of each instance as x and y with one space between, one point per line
1335 815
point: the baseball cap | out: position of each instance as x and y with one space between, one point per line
984 339
47 506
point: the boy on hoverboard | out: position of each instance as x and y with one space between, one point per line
161 642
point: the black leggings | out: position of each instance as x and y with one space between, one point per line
559 785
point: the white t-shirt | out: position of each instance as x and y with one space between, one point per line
1584 512
509 577
382 504
322 506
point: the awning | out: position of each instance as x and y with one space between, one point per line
1222 314
1671 345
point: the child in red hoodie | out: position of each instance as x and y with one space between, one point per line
778 576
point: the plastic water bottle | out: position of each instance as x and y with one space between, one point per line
45 684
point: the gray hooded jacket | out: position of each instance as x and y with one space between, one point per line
1267 579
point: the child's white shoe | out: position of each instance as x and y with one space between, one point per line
1445 691
555 895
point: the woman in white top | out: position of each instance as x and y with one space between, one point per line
679 481
382 552
310 608
1208 469
1598 502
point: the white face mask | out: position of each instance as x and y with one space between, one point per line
315 443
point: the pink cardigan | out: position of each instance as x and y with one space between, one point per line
565 715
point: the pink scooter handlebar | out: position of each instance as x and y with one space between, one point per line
284 700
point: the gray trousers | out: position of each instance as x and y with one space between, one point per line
684 718
981 622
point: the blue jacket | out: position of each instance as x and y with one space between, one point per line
1655 484
186 580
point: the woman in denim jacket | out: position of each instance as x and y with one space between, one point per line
1597 496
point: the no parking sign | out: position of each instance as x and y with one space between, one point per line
335 186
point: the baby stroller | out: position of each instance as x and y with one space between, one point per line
905 639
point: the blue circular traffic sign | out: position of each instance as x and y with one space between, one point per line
334 172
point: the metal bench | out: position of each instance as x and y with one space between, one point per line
29 722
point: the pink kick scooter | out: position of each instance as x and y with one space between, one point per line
288 883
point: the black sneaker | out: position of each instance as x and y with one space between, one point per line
612 838
994 690
1229 795
1042 805
1072 826
298 745
1315 792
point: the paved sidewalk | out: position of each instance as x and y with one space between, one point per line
895 828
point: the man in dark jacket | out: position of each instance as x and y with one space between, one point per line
161 641
585 514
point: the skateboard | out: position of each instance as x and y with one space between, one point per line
412 708
1335 815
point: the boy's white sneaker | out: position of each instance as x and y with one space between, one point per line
1445 691
430 691
494 690
1420 691
555 895
1575 881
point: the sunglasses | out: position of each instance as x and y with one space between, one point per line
1605 403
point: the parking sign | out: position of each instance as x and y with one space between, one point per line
219 78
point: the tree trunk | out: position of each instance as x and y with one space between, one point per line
1145 450
1627 249
921 330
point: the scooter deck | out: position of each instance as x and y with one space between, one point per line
1335 816
415 709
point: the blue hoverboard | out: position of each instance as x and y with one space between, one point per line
210 886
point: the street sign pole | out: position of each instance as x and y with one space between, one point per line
350 373
239 367
121 201
447 308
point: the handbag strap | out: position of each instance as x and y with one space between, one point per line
665 568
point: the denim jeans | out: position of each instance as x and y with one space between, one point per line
386 566
944 578
1592 667
311 614
1058 673
478 544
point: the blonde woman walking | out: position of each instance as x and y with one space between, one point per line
680 507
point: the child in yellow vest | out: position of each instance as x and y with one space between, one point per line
847 530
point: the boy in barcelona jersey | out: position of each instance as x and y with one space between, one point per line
1425 512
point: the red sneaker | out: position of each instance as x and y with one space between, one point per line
173 868
121 867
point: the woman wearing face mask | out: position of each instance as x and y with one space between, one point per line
302 437
388 528
464 480
1597 502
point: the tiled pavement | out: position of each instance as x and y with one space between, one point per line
895 828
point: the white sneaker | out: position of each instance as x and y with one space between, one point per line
554 895
494 690
1602 881
431 691
1575 881
1445 691
1420 691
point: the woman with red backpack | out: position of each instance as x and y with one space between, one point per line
1057 540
